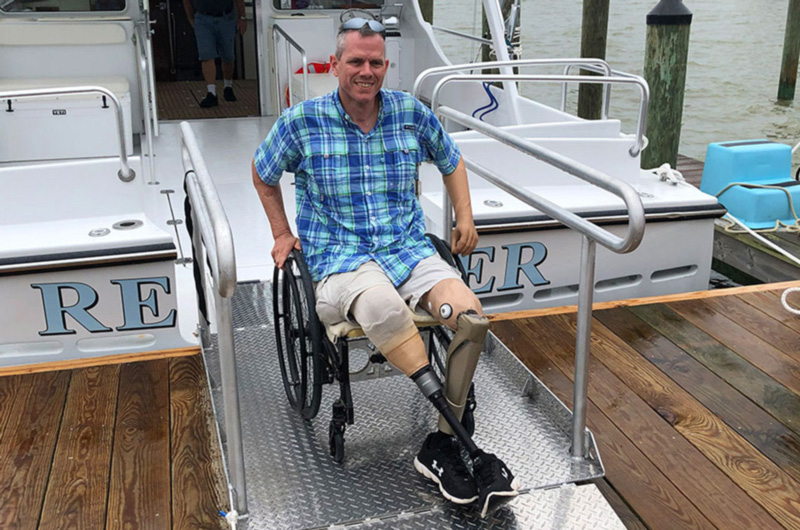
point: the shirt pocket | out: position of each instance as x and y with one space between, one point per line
329 171
402 157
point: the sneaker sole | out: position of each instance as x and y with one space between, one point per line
516 484
427 473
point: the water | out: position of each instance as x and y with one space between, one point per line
733 67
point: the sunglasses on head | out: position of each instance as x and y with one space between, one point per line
358 23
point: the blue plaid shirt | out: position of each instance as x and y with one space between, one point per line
355 190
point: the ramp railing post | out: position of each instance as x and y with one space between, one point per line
583 341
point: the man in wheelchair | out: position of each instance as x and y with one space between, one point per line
354 153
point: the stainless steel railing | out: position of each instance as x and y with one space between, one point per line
125 174
212 239
591 233
277 30
644 90
146 95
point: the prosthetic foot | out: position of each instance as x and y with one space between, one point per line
493 479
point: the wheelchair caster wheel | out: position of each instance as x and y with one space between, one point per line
336 441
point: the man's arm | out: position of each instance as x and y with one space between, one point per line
272 201
465 236
241 21
189 8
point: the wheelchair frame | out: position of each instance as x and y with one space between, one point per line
309 360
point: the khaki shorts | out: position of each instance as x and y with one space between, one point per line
335 293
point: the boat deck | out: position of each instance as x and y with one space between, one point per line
119 446
694 402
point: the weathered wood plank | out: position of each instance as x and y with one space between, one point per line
782 403
529 313
737 338
620 507
85 362
777 442
139 490
78 487
777 334
27 450
648 490
770 303
712 491
198 491
9 389
763 481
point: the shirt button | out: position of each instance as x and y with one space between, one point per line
369 193
367 166
374 218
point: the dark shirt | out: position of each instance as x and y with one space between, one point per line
213 7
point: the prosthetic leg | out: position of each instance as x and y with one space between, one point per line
493 478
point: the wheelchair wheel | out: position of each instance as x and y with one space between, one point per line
298 336
443 249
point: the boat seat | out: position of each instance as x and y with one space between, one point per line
119 85
22 33
318 85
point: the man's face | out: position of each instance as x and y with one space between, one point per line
361 68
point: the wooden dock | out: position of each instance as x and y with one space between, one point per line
694 403
122 446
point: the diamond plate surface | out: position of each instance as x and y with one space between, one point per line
293 483
567 507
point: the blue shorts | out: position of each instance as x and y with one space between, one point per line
215 36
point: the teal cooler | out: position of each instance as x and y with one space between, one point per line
759 162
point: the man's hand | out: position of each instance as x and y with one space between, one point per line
464 238
283 247
241 25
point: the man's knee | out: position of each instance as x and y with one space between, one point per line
448 299
384 317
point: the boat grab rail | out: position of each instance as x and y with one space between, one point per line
607 91
625 79
463 35
125 174
289 42
591 234
144 89
212 231
587 64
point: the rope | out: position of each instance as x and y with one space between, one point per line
778 249
778 223
665 173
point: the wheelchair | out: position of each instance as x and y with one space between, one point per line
311 357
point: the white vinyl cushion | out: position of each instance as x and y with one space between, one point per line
117 84
61 34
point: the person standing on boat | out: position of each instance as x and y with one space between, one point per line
215 23
354 153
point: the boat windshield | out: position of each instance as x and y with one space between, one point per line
26 6
327 4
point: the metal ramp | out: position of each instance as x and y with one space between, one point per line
292 482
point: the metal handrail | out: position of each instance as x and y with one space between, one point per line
125 174
145 97
289 41
516 63
213 232
629 79
591 235
151 76
463 35
607 99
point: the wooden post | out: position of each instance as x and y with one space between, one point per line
426 7
666 52
791 52
594 35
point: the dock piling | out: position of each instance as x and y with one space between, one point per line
594 35
791 52
666 53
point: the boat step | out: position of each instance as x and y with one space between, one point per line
293 483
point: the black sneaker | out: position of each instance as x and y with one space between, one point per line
494 480
228 94
440 460
209 101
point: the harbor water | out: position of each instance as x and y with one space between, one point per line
734 62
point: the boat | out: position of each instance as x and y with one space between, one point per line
106 266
